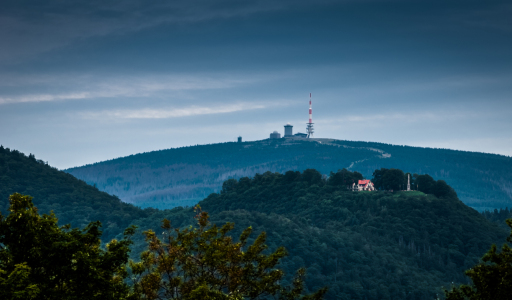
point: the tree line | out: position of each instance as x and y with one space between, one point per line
40 260
395 179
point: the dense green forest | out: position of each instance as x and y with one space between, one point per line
184 176
402 245
498 216
40 260
72 200
363 245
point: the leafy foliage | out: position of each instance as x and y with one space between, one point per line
39 260
491 278
16 284
205 263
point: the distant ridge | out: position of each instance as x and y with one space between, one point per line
184 176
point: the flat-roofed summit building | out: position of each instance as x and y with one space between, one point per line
288 130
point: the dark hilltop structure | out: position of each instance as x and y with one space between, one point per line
288 128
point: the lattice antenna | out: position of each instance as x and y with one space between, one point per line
309 128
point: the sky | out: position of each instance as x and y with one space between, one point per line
87 81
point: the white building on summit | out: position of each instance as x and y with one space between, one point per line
363 185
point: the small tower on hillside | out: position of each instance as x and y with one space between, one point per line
408 182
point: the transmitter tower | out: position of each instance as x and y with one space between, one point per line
309 128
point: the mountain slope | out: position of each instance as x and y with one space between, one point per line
183 176
72 200
363 245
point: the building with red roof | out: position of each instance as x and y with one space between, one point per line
363 185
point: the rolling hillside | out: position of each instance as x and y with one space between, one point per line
183 176
72 200
362 245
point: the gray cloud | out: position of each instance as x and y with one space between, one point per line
164 113
34 27
42 26
76 86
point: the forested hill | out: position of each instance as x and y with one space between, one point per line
363 245
183 176
73 201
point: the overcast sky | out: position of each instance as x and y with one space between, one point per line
85 81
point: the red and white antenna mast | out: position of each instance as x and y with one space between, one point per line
310 110
309 128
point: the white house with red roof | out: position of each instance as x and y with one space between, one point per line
363 185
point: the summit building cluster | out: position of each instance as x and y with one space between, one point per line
288 132
288 128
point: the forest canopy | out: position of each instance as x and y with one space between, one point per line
40 260
395 179
362 245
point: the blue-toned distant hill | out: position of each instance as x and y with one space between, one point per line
183 176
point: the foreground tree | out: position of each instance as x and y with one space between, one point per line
40 260
205 263
492 278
